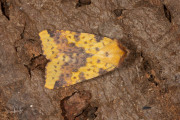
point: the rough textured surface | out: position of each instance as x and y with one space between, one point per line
147 86
78 107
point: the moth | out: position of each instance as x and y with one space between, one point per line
75 57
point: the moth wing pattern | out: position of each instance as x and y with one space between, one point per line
76 57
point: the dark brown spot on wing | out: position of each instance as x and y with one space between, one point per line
74 70
69 37
56 84
76 36
98 61
97 49
71 45
51 33
66 64
103 44
60 83
67 75
57 42
107 54
81 76
57 37
102 71
98 38
64 41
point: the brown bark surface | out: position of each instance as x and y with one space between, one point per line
146 86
